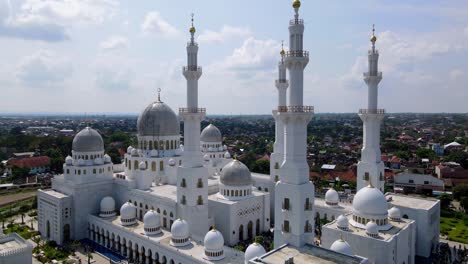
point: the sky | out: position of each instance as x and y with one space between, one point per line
110 56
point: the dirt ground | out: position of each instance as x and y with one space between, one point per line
9 198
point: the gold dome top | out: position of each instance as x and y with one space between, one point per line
282 52
373 39
296 4
192 29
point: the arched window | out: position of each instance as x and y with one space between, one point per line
135 165
161 165
200 183
150 145
153 166
94 171
200 200
183 183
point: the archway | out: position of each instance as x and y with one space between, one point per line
66 232
241 232
250 230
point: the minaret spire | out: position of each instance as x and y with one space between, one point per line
370 167
294 191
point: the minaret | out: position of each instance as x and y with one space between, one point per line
371 168
192 176
294 192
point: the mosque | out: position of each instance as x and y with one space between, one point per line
190 203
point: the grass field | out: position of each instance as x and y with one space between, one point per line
456 228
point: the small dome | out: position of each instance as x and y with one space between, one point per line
142 166
180 229
211 134
158 119
107 204
69 160
235 173
153 153
227 155
88 140
172 162
342 222
332 197
81 162
134 152
127 214
129 149
253 251
107 159
394 214
372 229
206 157
224 147
369 202
98 161
213 241
151 219
342 247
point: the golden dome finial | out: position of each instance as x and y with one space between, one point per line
296 4
282 49
373 38
370 184
192 28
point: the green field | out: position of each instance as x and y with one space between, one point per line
455 226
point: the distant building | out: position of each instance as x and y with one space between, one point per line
416 183
453 146
36 165
393 162
15 249
452 174
438 149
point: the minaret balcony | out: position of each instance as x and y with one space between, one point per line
373 74
192 110
372 111
296 21
192 68
192 44
296 109
297 53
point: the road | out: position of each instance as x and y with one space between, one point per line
10 198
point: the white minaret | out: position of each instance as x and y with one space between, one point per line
192 176
277 156
294 193
371 169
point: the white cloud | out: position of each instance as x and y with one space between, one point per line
455 74
114 43
226 32
154 24
43 69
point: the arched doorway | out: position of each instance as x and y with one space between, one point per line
48 229
257 228
66 232
250 230
241 232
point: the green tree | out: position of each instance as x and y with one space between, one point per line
464 203
115 155
445 200
56 159
424 153
261 166
460 191
19 173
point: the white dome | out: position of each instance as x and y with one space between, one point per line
129 149
332 197
142 166
98 161
152 219
180 229
81 162
210 149
69 160
211 134
134 152
372 229
158 119
235 173
394 214
369 202
342 247
227 155
154 153
88 140
206 157
127 212
213 241
342 222
253 251
107 159
224 147
107 204
172 162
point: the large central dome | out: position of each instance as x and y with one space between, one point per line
158 119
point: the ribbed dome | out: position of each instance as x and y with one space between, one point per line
332 197
180 229
107 204
394 214
127 211
213 241
370 202
235 173
342 247
372 229
253 251
142 166
69 160
211 134
107 159
227 155
158 119
342 222
88 140
151 219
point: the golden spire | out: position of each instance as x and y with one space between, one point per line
373 38
282 49
370 183
192 28
296 4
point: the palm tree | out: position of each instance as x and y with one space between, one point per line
74 245
31 221
22 218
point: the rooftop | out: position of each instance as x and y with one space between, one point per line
411 201
12 244
54 193
308 254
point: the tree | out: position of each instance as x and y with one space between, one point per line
115 155
19 173
445 200
460 191
464 203
56 159
261 166
424 153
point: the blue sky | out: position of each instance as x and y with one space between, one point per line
88 56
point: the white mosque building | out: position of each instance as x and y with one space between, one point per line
174 203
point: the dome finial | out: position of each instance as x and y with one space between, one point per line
296 4
373 38
192 28
282 50
370 183
159 94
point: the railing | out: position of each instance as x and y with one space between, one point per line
297 53
372 74
308 207
192 110
296 109
192 68
296 21
372 111
190 43
281 81
373 51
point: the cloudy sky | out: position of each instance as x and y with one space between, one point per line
101 56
